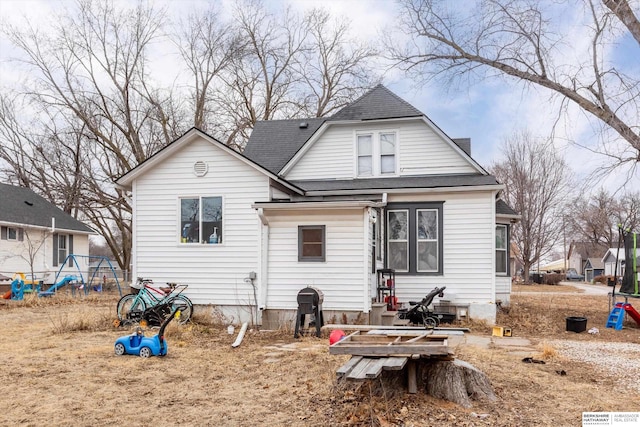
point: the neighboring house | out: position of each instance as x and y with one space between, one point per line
324 202
31 228
593 268
580 252
609 261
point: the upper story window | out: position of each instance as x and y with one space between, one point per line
376 153
502 256
201 220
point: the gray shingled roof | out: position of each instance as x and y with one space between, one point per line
274 142
399 182
21 205
502 208
378 103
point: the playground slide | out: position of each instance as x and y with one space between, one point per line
632 312
61 283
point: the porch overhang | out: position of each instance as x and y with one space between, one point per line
315 205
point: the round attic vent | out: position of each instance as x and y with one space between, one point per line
200 168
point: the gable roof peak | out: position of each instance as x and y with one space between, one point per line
377 103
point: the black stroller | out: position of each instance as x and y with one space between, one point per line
419 313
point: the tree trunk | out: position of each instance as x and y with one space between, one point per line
456 381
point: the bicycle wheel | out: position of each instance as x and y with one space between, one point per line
186 308
129 303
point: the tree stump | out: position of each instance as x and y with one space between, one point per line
456 381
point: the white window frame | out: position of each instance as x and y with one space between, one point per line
376 153
426 240
63 238
15 232
203 238
405 241
505 249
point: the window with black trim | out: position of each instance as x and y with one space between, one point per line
12 233
502 252
311 243
201 220
414 238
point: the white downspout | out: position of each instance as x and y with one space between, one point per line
263 260
366 300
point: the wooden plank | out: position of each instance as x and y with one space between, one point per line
347 367
374 369
370 350
360 370
412 377
394 363
363 328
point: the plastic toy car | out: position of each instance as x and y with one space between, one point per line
140 345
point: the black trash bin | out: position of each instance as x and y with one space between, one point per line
576 324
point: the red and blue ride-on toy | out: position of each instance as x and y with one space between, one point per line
420 314
140 345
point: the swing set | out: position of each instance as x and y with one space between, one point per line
87 285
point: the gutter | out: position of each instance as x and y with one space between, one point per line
405 190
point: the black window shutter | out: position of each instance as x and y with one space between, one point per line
21 234
3 233
70 250
55 249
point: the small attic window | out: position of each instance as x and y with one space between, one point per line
303 125
200 168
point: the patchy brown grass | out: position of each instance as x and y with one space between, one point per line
59 369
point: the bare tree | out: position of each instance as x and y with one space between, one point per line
335 70
537 184
519 39
99 114
207 44
596 218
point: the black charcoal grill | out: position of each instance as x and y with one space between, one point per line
309 302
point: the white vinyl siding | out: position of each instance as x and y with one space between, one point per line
215 273
340 277
420 151
14 254
468 254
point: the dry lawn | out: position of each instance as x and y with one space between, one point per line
60 369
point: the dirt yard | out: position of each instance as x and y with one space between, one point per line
59 368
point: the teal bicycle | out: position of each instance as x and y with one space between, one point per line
149 305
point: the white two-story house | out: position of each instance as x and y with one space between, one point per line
323 202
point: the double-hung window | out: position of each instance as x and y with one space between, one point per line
376 153
201 220
414 238
62 248
502 256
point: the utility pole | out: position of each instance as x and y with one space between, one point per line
564 244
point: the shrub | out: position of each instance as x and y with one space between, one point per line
552 278
602 279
